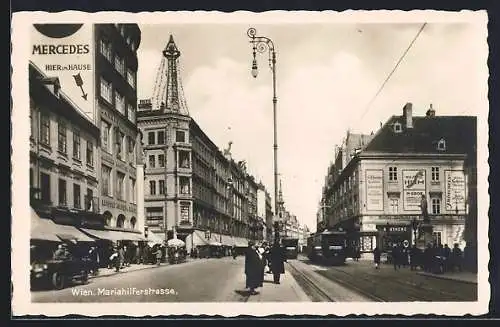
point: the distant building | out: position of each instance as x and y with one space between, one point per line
377 193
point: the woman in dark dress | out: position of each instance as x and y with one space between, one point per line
253 266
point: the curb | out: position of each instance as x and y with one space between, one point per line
447 278
139 269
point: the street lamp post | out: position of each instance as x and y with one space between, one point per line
262 44
414 225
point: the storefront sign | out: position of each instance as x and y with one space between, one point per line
374 190
107 203
455 190
66 51
413 189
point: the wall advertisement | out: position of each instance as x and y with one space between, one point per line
374 190
414 185
455 190
66 52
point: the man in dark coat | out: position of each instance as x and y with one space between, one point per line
278 258
376 257
253 265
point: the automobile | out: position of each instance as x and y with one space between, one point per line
60 273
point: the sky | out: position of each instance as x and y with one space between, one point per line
326 74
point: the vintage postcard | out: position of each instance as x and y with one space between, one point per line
250 163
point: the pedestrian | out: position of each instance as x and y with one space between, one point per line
396 257
94 259
114 259
456 254
413 257
376 257
252 269
159 255
233 252
278 259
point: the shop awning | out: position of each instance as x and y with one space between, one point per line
47 230
154 238
113 235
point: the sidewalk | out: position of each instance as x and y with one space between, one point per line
105 272
465 276
287 291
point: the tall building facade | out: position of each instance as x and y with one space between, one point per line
116 68
377 195
193 190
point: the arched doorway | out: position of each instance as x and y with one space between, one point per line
108 217
120 221
133 222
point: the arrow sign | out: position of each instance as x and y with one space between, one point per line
79 83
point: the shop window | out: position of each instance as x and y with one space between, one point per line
436 206
435 174
393 174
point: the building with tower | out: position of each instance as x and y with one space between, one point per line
193 190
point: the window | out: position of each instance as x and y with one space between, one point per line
397 127
105 48
132 190
90 154
77 151
105 135
184 183
120 178
441 145
89 198
32 118
435 174
393 173
131 78
106 180
120 103
131 113
180 136
437 236
120 144
393 205
77 201
184 159
154 214
436 206
106 90
161 160
152 161
161 137
62 192
152 187
131 146
45 128
120 65
61 139
161 186
45 187
151 138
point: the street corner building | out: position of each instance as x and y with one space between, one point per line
86 177
376 186
193 191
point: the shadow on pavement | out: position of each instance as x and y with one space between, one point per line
245 292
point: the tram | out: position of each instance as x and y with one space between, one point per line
291 246
328 247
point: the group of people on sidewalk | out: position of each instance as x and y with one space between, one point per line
257 258
434 258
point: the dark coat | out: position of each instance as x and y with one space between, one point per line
253 267
278 258
376 255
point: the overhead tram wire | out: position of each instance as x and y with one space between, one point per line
393 70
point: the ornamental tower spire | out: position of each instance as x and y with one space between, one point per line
168 94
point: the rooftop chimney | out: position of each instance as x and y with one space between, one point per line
407 114
431 112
